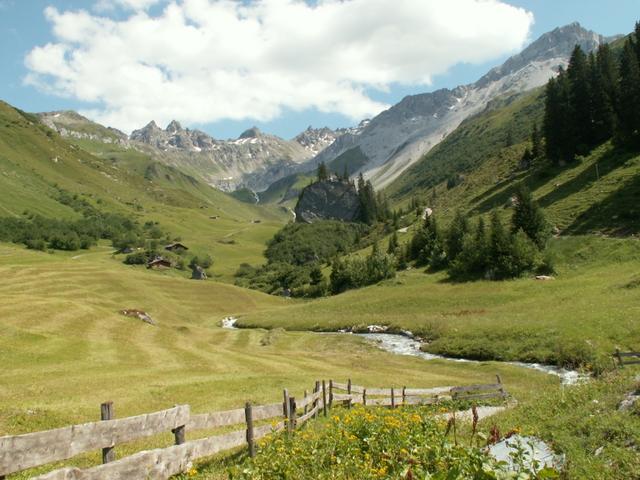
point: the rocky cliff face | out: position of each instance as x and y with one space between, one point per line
398 137
328 200
73 125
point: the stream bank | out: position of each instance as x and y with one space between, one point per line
406 343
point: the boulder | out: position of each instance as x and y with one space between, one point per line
198 273
328 200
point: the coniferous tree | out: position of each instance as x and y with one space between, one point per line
472 261
556 126
393 243
457 230
580 112
323 173
537 147
529 217
629 95
603 94
636 42
499 248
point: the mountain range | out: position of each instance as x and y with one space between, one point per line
382 148
398 137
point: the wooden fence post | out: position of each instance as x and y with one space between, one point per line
292 414
179 433
248 415
324 398
349 386
285 409
364 396
330 393
404 395
501 388
306 406
316 402
393 398
106 413
619 358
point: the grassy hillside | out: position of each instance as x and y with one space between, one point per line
36 164
286 190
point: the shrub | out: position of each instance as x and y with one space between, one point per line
139 258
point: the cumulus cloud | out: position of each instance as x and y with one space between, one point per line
201 61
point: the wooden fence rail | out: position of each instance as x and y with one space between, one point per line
22 452
620 356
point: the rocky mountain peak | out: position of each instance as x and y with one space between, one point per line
398 137
558 43
253 132
174 127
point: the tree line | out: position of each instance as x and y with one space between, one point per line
595 99
471 251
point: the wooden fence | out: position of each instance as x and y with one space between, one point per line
392 397
22 452
621 356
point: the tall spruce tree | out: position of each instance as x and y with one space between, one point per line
629 95
603 93
529 217
455 236
323 173
557 125
499 248
580 112
537 148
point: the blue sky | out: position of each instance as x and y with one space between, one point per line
23 27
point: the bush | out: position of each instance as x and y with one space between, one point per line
139 258
353 273
302 243
36 244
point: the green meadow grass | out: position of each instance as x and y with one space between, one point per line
577 319
65 348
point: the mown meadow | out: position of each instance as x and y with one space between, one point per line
65 348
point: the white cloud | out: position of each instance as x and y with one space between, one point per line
201 61
108 5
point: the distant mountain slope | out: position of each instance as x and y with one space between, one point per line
38 168
71 124
254 160
400 136
477 168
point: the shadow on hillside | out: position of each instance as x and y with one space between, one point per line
496 188
501 195
617 214
607 163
